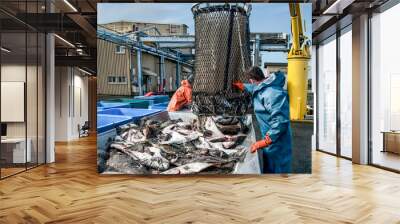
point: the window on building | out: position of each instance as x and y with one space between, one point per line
116 80
120 49
122 79
174 29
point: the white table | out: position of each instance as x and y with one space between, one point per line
18 149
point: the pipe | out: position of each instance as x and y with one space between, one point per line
139 69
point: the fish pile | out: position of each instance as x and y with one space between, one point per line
206 145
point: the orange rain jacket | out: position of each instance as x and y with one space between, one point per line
182 97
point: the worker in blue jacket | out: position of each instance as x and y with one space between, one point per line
271 106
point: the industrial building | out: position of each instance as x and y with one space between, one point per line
151 29
49 86
159 73
271 67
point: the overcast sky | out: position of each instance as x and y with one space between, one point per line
264 17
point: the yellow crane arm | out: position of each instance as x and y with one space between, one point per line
296 26
298 68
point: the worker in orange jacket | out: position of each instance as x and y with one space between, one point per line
183 95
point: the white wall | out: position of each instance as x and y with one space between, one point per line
62 82
80 115
71 94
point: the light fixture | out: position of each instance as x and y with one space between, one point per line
79 51
84 71
64 40
70 5
5 50
337 7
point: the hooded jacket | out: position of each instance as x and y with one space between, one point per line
182 97
271 107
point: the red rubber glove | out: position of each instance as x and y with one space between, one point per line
238 85
261 144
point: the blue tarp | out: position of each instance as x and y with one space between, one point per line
160 106
107 122
108 105
135 103
156 98
134 113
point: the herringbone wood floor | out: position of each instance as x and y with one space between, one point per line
70 191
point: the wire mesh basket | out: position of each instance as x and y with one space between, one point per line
222 55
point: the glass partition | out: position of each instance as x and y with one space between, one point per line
327 95
346 92
385 89
22 77
13 94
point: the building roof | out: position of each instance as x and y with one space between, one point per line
133 22
282 64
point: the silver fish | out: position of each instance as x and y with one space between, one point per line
217 139
170 128
233 141
229 145
132 135
121 163
155 151
118 138
226 120
202 143
126 127
184 124
189 168
156 162
177 138
191 146
220 146
212 127
185 132
231 129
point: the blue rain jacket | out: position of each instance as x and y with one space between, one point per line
271 107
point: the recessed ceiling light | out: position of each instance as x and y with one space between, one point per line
70 5
5 50
338 6
64 40
84 71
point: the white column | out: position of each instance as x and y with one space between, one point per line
360 90
314 90
50 98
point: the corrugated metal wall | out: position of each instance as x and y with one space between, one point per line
151 63
110 63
